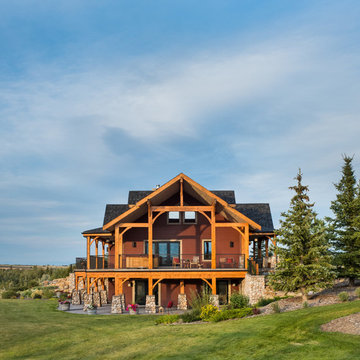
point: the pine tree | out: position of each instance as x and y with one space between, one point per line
303 249
345 226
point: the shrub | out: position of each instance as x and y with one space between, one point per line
231 314
10 294
208 311
357 292
344 296
197 301
26 294
48 293
63 296
276 308
305 305
256 311
166 319
238 301
191 316
37 296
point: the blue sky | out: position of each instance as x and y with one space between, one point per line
97 98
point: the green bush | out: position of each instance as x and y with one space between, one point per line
166 319
344 296
37 296
26 294
238 301
276 308
10 294
208 311
191 316
305 305
357 292
231 314
48 293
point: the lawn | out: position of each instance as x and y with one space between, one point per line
34 329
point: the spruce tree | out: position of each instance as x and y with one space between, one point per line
302 247
345 226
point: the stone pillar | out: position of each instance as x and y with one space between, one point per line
71 281
82 294
88 300
150 306
182 302
254 287
118 304
97 300
75 298
103 297
214 300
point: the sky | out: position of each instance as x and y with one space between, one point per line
99 98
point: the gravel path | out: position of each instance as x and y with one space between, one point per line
348 325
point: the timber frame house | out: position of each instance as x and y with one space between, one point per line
175 240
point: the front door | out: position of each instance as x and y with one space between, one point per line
141 290
222 287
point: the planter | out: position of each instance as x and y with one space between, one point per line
133 312
91 311
64 307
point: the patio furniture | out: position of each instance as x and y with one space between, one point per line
175 262
195 261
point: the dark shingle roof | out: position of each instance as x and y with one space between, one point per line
137 195
260 213
96 231
226 195
112 211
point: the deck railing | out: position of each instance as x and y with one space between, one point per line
96 262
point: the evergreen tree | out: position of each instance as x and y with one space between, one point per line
345 226
304 258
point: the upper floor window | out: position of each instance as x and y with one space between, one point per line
174 217
189 217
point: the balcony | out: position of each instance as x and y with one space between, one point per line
175 262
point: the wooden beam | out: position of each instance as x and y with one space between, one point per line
181 192
157 215
96 253
210 284
98 235
213 280
133 225
182 287
121 250
229 224
150 286
213 237
150 236
181 208
267 247
103 254
88 284
246 249
204 214
88 252
157 281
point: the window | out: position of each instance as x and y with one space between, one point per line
189 217
173 217
231 244
207 250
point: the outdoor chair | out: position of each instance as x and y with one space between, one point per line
195 261
175 262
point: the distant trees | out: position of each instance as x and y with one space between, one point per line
305 261
344 227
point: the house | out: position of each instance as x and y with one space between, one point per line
172 241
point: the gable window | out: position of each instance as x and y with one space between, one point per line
174 217
189 217
207 250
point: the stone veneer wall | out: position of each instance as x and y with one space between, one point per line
75 298
214 299
253 286
103 297
88 300
118 304
150 305
97 299
182 302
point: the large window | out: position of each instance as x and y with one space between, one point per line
165 251
207 250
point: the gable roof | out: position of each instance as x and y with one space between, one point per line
192 188
96 231
260 213
112 211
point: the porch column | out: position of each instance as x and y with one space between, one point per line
259 249
116 249
182 287
88 252
103 254
254 249
246 245
213 237
150 236
87 284
150 286
117 281
267 247
96 253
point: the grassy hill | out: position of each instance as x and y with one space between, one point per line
34 329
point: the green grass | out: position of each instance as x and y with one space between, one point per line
34 329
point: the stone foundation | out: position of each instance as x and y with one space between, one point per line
253 286
75 298
150 306
214 299
88 300
97 300
118 304
103 297
182 302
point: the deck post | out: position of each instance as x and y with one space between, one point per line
150 236
247 245
213 237
182 287
213 285
150 286
103 253
96 253
88 252
116 249
267 248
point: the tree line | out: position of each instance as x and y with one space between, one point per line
313 252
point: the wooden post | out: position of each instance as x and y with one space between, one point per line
120 250
213 237
96 253
259 249
116 249
87 284
182 287
150 238
267 248
117 280
76 282
88 252
121 286
181 192
103 254
213 285
247 245
150 288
